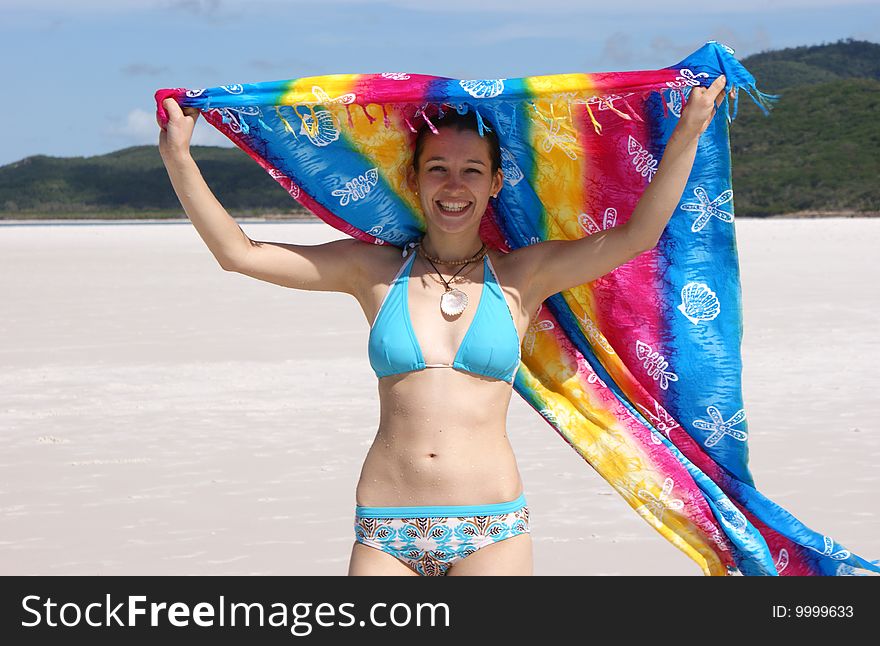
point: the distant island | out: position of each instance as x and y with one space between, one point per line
815 156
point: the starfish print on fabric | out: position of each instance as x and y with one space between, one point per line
708 208
659 505
719 427
555 138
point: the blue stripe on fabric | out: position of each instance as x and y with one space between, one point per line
705 257
447 511
377 209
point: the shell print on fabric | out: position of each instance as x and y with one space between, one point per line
837 555
484 88
325 133
323 98
588 224
512 174
699 303
674 104
610 218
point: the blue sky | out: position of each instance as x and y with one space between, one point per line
80 75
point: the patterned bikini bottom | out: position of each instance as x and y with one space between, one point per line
430 540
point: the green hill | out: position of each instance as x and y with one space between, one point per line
811 65
816 152
818 149
132 182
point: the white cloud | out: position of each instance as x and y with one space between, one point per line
139 127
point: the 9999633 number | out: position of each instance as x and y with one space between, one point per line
812 611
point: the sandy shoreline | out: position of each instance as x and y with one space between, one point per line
307 217
161 416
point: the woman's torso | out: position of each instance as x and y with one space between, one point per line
442 436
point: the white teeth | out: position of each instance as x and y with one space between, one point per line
453 206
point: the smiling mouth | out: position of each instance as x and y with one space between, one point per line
453 207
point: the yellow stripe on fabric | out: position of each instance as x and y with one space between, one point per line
555 136
302 91
541 86
598 437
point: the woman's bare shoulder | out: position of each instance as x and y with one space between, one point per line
515 271
511 268
378 263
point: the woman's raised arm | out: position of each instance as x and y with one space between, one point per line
217 228
333 266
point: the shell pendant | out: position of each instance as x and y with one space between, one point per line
453 302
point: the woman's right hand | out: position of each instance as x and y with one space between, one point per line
175 137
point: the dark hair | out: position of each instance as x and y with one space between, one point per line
468 121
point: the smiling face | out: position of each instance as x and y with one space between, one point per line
454 179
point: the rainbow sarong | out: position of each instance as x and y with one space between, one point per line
640 370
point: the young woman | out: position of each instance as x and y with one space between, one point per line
440 492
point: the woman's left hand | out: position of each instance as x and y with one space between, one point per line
702 103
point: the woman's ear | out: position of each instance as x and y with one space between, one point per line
411 180
497 182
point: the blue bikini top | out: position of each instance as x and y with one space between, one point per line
491 346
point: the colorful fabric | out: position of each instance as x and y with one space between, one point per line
639 370
432 539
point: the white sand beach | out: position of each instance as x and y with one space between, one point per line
161 416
